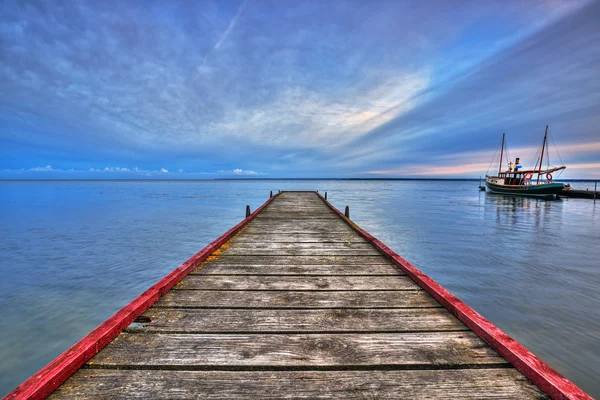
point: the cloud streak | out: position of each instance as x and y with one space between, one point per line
231 26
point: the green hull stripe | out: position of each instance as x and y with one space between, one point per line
533 190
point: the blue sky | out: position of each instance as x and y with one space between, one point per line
269 89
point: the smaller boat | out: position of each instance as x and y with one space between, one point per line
533 182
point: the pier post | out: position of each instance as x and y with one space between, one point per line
347 212
279 191
325 195
270 194
247 211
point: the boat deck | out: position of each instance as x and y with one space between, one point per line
297 304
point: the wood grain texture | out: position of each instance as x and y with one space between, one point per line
305 269
325 237
297 215
296 299
297 260
273 248
309 320
249 282
207 351
183 385
293 229
299 249
298 223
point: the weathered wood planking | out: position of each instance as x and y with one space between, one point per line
466 384
325 237
297 260
299 225
298 238
295 299
306 269
381 350
298 304
289 249
168 320
341 248
286 283
297 216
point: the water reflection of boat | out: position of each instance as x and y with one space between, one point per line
530 182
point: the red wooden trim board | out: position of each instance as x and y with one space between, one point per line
541 374
46 380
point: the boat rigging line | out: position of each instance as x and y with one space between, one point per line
493 158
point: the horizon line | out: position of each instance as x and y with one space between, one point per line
254 179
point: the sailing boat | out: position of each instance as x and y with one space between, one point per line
525 182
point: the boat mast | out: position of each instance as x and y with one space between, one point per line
501 153
542 156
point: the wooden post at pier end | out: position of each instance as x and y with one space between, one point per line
247 211
347 212
270 194
325 195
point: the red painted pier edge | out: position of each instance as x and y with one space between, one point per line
46 380
541 374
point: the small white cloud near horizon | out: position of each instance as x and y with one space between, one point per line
239 171
42 169
131 171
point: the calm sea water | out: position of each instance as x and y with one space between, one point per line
72 253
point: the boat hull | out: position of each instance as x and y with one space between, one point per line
543 190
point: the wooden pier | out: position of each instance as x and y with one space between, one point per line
297 302
580 194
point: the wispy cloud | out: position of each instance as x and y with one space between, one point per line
232 25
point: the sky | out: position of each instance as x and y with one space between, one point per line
282 89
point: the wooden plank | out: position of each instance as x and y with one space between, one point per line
268 237
167 320
209 351
298 208
315 229
295 299
468 384
306 228
307 215
250 282
299 249
306 270
298 260
299 222
346 247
